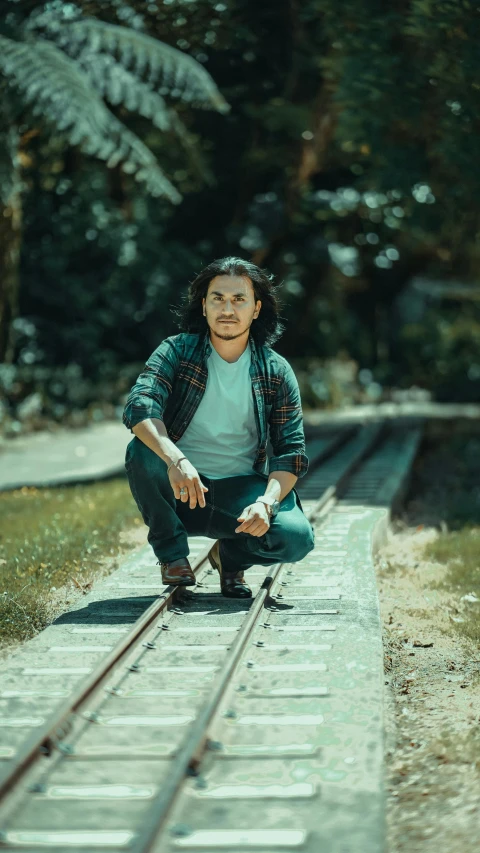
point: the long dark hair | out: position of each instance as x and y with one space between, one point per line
266 329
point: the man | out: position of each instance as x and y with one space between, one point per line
201 413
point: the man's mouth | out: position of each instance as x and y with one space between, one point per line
227 321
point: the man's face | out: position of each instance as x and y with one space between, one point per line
230 306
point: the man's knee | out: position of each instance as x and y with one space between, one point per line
296 542
303 543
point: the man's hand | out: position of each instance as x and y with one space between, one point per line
185 476
256 520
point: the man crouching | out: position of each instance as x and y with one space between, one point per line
201 413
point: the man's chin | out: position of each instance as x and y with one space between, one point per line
227 336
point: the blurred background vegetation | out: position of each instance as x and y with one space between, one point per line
346 165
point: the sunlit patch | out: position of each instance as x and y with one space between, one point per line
298 789
56 670
274 839
154 669
251 749
19 722
101 792
20 694
279 720
290 667
80 648
146 720
78 838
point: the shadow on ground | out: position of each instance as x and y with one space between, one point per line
114 611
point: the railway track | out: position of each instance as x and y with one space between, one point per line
222 724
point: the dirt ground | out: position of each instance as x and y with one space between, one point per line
432 708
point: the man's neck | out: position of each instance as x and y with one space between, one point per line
230 350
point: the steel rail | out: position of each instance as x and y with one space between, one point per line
44 735
55 727
333 445
376 433
188 758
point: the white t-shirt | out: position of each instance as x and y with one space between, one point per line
221 440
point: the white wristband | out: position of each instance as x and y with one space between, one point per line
175 463
266 503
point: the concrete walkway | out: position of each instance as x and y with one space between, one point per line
71 455
79 455
310 704
67 456
394 411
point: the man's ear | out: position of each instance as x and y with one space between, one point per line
257 309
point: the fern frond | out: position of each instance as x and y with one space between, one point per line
159 64
118 86
54 88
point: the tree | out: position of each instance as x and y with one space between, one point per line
346 166
57 67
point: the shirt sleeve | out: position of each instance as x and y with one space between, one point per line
286 428
149 395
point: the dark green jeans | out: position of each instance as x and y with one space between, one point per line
289 538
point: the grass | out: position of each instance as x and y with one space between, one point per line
50 537
460 552
445 492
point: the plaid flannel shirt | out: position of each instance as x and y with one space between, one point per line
174 380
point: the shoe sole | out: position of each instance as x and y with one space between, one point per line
186 582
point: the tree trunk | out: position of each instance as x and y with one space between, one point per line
10 239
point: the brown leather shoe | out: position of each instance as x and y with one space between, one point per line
232 584
178 573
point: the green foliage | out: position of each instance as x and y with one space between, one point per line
64 85
59 92
88 40
443 352
346 165
97 301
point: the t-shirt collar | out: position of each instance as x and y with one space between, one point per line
207 346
